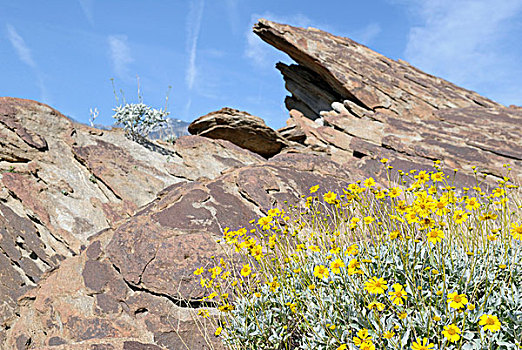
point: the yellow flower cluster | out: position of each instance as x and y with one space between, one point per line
334 243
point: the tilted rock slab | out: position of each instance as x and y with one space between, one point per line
367 106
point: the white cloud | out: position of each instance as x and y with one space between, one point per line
193 27
367 34
464 41
23 52
87 8
120 55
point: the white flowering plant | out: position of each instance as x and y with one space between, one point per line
138 119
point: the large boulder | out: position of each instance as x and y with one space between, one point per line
62 182
240 128
135 283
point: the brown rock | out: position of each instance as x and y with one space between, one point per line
385 108
136 283
162 207
332 69
62 182
242 129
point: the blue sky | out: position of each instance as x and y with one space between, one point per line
64 53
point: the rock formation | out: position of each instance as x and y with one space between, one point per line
369 106
99 235
240 128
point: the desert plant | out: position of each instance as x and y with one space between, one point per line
138 119
426 266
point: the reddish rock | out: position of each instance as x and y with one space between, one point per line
67 181
367 106
161 207
240 128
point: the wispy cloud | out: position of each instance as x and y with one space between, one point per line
233 14
193 27
120 55
87 8
465 42
24 54
367 34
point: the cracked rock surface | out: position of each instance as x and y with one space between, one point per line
99 235
135 282
62 182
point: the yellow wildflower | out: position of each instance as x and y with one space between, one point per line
422 177
437 177
490 323
394 192
376 305
441 207
451 332
398 294
330 197
417 345
459 216
516 231
314 248
456 300
368 220
370 182
314 189
367 346
376 285
246 270
389 334
352 250
336 265
362 337
435 236
472 203
321 271
265 222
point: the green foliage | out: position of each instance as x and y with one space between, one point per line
422 266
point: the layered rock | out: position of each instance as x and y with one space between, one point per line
332 69
161 207
240 128
367 106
